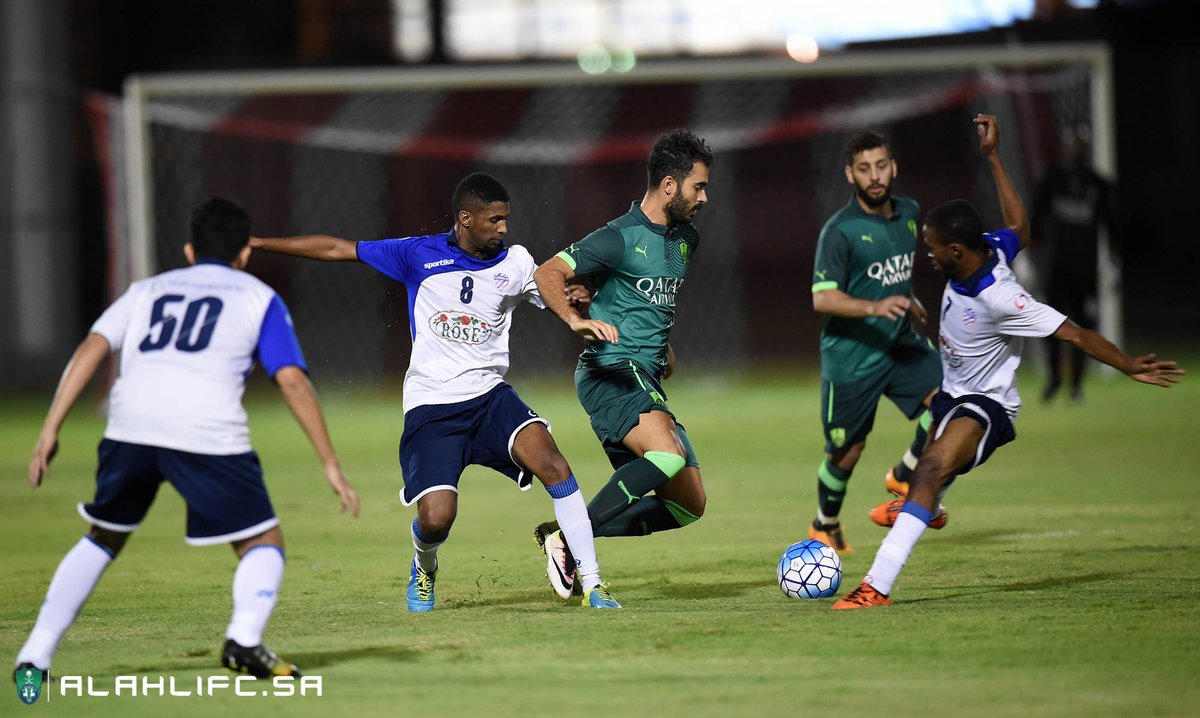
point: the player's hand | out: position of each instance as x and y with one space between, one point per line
917 310
989 134
341 487
43 454
577 295
595 329
1148 370
670 368
891 307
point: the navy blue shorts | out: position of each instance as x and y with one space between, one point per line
998 429
440 440
225 495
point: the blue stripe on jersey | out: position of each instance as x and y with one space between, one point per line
979 280
1006 240
412 260
277 343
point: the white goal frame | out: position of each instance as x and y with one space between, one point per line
142 90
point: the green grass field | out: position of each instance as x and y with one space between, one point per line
1067 583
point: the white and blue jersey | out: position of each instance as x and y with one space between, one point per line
459 308
188 340
983 321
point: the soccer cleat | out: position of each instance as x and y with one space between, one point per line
259 661
896 486
865 596
885 514
420 589
599 597
560 564
830 535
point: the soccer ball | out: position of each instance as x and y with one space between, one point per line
809 569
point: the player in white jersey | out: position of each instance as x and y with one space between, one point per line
985 315
463 286
187 338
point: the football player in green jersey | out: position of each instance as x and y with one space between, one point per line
638 262
862 281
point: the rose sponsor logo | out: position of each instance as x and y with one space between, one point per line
460 327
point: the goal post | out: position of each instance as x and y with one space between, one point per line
374 153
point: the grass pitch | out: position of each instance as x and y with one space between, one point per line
1067 582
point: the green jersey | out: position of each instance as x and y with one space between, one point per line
639 268
867 256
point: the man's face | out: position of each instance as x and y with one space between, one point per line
485 228
942 257
689 196
871 173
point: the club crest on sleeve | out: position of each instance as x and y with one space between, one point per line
1021 301
460 327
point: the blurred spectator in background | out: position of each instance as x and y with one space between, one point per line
1071 205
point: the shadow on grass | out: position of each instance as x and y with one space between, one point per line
306 661
1020 586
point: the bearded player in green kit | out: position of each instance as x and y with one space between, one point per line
862 281
638 262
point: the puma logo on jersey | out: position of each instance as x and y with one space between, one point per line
867 238
820 274
642 251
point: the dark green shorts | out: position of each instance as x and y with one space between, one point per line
615 397
848 408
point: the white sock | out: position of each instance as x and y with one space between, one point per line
894 552
827 520
255 589
426 550
909 459
571 513
77 574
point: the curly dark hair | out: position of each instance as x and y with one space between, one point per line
862 141
477 187
674 154
957 221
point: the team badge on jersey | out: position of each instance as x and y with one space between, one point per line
968 317
460 327
501 279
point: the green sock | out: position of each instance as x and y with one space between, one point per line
831 488
903 471
631 482
626 487
649 515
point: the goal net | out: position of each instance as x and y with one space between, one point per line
376 153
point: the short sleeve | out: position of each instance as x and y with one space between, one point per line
277 343
601 250
832 260
114 322
389 257
1006 241
529 290
1020 315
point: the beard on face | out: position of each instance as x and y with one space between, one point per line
873 202
678 210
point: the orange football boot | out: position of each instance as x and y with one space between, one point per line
830 535
865 596
885 514
897 487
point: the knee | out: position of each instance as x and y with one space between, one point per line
847 456
436 520
553 470
112 541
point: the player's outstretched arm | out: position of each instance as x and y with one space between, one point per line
75 378
310 246
1146 369
1010 202
301 398
551 278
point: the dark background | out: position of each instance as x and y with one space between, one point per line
1155 54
